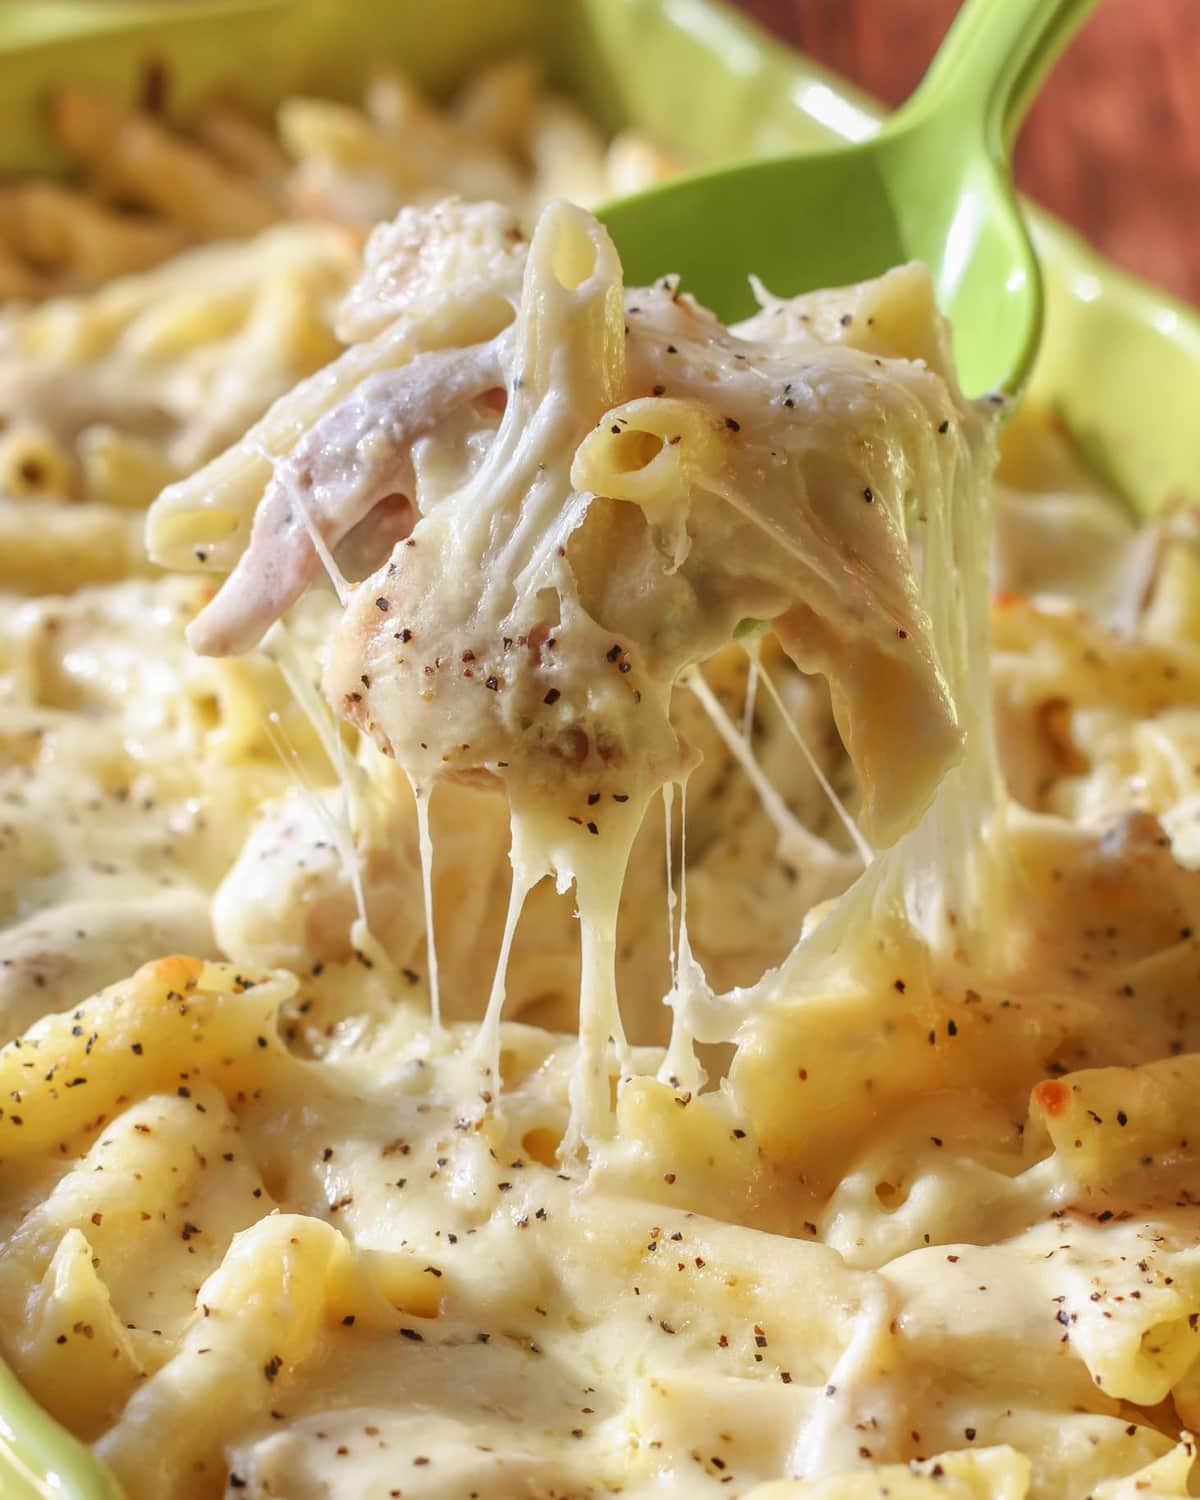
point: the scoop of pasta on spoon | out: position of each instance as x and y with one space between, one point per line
647 481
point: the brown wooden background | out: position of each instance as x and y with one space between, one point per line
1112 145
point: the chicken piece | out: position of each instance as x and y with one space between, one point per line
354 458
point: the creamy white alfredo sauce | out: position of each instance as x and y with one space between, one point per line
902 1204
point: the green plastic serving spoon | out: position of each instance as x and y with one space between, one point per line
932 184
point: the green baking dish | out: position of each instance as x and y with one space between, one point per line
1120 360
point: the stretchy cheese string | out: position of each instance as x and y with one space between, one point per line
421 791
865 852
798 844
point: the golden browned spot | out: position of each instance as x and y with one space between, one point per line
173 972
1051 1096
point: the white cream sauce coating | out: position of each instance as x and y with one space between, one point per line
898 1203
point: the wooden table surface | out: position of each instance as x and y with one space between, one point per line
1113 143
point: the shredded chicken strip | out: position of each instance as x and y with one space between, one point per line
356 456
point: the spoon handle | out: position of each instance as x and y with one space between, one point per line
990 64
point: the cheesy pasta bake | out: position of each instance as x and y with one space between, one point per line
608 904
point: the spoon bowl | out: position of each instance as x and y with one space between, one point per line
932 185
